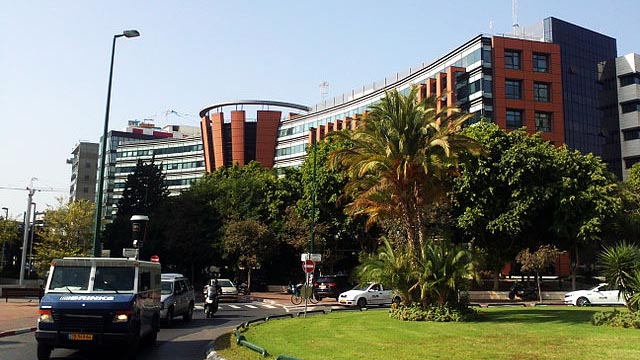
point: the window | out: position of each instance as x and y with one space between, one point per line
541 92
514 119
543 121
628 163
511 59
541 63
512 89
630 106
630 79
631 134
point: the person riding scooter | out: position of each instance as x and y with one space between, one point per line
211 292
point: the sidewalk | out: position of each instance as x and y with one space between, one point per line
17 316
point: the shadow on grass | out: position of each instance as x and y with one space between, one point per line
538 315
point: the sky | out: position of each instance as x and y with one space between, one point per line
54 62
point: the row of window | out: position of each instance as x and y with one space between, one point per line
541 91
169 182
512 61
161 151
165 167
515 120
630 79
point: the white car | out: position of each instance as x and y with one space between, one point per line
368 294
228 290
599 295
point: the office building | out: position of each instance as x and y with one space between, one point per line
84 166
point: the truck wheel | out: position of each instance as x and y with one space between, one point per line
132 352
189 314
153 336
170 317
44 351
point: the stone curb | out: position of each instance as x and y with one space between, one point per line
16 332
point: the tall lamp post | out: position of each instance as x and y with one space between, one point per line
97 224
6 217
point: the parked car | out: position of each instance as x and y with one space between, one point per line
331 286
228 290
368 294
177 298
602 294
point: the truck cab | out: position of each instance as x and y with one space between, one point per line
99 303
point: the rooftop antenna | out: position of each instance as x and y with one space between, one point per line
491 26
516 27
324 89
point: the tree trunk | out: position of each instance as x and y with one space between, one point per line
539 288
248 278
496 280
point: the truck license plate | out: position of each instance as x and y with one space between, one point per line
80 336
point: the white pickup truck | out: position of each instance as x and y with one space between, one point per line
368 294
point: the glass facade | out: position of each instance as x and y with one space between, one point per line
585 126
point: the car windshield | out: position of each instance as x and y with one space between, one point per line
362 287
114 278
70 278
225 283
167 287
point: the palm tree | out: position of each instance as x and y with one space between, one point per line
621 267
402 157
441 269
390 267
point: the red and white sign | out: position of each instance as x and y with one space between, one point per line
155 258
308 266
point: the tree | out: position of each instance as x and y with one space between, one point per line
249 241
621 267
504 197
586 200
9 240
401 160
538 261
67 231
145 191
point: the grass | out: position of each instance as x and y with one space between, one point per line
501 333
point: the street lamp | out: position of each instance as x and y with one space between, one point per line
98 219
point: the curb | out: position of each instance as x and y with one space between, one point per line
16 332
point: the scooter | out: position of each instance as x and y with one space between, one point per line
211 301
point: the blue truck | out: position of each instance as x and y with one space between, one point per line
93 303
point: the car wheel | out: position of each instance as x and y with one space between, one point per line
189 314
582 301
362 302
44 351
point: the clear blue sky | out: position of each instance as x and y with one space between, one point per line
54 61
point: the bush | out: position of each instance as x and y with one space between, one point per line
615 318
433 312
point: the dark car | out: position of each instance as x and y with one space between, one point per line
332 286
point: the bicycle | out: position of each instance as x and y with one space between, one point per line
298 296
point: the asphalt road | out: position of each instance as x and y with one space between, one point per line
181 341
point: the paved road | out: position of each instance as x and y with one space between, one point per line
182 341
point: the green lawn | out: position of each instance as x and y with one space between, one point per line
501 333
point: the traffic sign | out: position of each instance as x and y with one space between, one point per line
308 266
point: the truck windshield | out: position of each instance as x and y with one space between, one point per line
70 278
114 279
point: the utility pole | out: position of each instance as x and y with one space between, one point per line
25 240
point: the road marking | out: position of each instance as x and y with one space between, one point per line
251 306
234 306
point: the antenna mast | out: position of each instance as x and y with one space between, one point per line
516 26
324 90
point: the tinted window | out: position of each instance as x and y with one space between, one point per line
114 278
167 287
512 89
514 119
540 62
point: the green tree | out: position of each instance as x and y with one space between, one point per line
249 241
538 261
401 160
145 191
505 196
587 199
9 241
67 231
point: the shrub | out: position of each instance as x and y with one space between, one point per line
615 318
433 312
